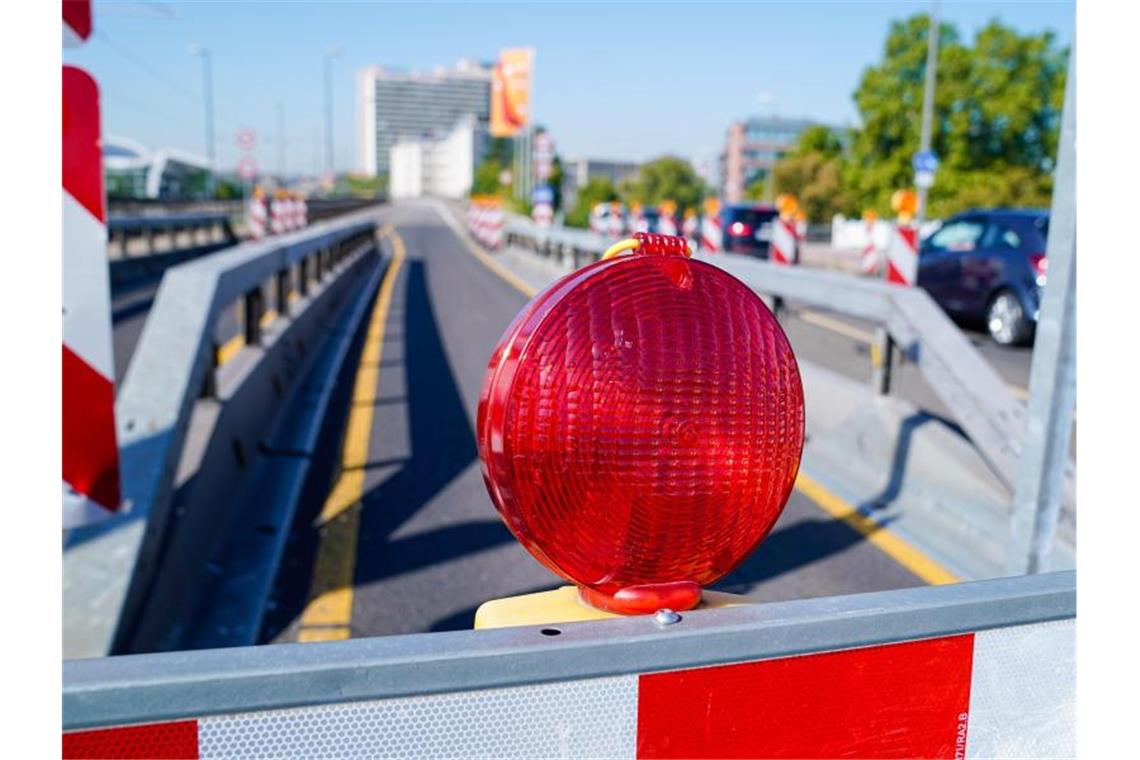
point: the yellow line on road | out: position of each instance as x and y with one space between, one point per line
890 544
478 252
835 325
328 614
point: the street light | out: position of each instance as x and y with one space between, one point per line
200 51
928 99
330 54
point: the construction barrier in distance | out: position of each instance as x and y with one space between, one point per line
485 220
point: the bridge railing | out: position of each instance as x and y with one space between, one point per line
178 230
986 668
179 415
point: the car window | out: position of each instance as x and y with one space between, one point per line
1000 236
961 236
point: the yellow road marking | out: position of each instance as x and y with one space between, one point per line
328 614
478 252
890 544
838 326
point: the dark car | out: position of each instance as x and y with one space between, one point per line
747 228
988 266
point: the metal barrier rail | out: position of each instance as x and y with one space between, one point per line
518 686
108 566
976 395
215 227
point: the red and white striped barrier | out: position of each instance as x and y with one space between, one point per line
712 236
543 214
76 22
784 241
667 224
690 230
902 255
1004 692
278 216
485 221
637 222
303 213
615 225
869 262
91 488
597 219
256 218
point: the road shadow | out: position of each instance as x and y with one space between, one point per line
891 490
790 548
442 447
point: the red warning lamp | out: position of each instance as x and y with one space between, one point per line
640 426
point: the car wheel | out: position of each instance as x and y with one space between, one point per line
1006 320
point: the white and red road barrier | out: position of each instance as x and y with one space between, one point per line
667 224
1002 692
303 212
278 214
256 218
712 235
597 219
91 487
784 242
76 22
902 255
637 222
615 225
690 227
485 220
870 258
543 214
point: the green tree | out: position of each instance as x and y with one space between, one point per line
596 190
755 190
813 172
666 178
997 112
486 179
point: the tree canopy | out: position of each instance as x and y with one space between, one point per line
997 110
666 178
596 190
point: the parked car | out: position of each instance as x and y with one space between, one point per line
989 266
747 228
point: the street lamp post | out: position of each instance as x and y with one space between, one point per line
928 100
330 54
200 51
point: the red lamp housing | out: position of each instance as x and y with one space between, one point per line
641 425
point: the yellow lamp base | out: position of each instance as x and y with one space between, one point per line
563 605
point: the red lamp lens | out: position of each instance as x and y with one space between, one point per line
640 427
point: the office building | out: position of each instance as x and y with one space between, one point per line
394 106
752 149
443 167
576 172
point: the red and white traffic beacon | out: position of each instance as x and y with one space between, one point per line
640 429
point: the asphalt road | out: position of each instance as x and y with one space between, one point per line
429 547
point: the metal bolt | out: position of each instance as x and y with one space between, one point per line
666 616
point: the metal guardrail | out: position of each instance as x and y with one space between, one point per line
108 567
170 686
977 396
214 227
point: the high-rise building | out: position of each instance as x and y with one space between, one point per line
394 106
752 149
576 172
443 167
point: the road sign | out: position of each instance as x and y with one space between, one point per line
543 155
247 168
246 139
924 180
542 194
925 161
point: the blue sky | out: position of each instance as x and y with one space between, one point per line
612 80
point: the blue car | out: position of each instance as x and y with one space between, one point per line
988 266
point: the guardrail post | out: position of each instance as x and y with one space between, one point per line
1036 507
882 356
254 306
210 381
303 277
283 292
